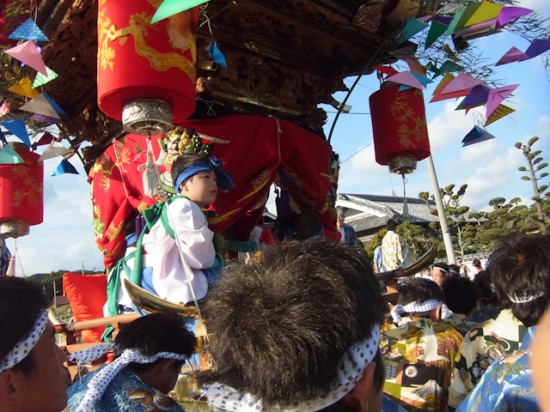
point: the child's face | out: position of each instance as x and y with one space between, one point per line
201 188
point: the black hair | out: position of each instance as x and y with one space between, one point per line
486 290
419 290
476 263
520 267
21 301
305 225
185 161
443 266
391 224
460 294
154 333
279 326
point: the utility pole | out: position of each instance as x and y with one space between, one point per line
441 213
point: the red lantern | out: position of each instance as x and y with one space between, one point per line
21 194
399 127
140 62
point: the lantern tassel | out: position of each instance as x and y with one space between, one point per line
405 204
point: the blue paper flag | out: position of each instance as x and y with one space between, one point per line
476 135
216 55
55 106
64 167
28 31
17 128
2 137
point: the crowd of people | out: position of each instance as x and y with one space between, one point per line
306 328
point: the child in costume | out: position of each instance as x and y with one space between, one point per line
178 256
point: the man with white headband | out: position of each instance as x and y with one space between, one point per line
149 355
296 331
520 269
33 375
420 351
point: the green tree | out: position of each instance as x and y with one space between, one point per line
535 167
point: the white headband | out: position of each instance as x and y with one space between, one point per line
98 384
414 307
24 346
525 298
350 369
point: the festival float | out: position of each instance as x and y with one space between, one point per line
132 84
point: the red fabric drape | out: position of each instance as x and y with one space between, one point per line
259 148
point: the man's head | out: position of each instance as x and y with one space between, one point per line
460 294
440 272
340 217
391 224
153 334
283 327
520 271
33 376
420 297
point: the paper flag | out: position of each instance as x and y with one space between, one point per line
499 113
387 70
40 118
8 156
477 30
465 16
170 7
406 78
64 167
436 31
2 137
538 46
24 88
28 54
217 55
53 150
452 25
476 135
55 106
17 128
4 108
449 66
415 66
512 55
412 26
477 96
46 138
444 82
508 14
40 105
461 82
28 31
486 11
496 96
40 79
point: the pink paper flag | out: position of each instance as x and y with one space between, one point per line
496 96
406 78
28 53
460 83
512 55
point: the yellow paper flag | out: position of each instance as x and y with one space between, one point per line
486 11
499 113
24 88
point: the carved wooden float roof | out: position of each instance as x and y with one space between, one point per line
285 57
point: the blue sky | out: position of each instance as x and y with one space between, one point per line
65 240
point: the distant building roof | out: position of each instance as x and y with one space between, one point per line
368 213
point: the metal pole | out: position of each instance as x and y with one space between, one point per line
441 213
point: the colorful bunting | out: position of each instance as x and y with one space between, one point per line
484 12
406 78
477 96
17 128
41 80
46 138
477 30
415 66
27 53
476 135
64 167
436 31
28 31
512 55
454 23
498 114
170 7
216 54
53 103
461 82
41 105
40 118
24 88
387 70
537 47
496 96
8 156
2 137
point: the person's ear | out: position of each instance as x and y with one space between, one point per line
9 382
363 393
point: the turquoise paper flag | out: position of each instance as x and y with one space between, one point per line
8 156
217 55
64 167
28 31
17 128
412 27
40 79
170 7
